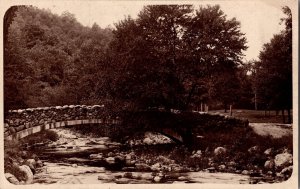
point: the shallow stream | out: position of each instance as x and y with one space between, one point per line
76 159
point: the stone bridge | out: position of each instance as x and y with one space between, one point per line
177 126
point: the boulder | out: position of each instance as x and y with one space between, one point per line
110 154
110 160
245 172
39 163
128 175
26 171
147 141
74 165
119 159
211 169
287 171
165 160
270 164
254 150
11 178
182 178
157 179
222 167
156 167
269 152
31 163
20 128
220 151
122 181
96 156
142 167
283 160
12 130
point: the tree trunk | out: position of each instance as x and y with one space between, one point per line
255 101
225 108
230 110
190 96
289 115
283 118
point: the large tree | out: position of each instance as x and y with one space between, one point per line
50 59
274 70
170 54
214 49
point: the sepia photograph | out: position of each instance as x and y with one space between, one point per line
149 92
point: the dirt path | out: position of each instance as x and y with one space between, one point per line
276 130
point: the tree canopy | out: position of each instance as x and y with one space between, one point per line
273 82
170 56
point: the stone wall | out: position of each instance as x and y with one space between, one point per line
23 122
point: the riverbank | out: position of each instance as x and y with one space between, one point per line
74 156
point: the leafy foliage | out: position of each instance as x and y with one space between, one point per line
170 56
274 69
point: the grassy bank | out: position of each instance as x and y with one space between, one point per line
255 116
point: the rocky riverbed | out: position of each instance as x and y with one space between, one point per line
76 159
153 158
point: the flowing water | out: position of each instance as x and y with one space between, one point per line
76 159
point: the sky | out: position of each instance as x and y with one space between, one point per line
260 20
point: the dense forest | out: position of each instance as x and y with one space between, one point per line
170 56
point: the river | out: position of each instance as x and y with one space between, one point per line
78 159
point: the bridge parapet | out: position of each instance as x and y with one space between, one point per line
23 122
18 120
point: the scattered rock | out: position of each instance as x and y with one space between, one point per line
91 142
269 152
128 169
287 171
110 160
156 167
211 169
197 154
182 178
110 154
128 175
232 164
283 160
220 151
137 176
122 181
96 156
254 150
104 177
27 173
279 175
157 179
146 177
270 164
165 160
11 178
175 168
245 172
23 154
147 141
142 167
74 165
119 159
222 167
31 163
